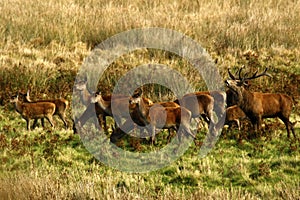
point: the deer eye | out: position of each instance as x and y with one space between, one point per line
135 96
239 83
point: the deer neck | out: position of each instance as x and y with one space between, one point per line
143 109
85 96
19 106
245 98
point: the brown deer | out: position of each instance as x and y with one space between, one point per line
120 103
219 100
61 105
90 111
102 106
85 98
257 105
36 110
200 105
158 116
137 119
234 114
85 94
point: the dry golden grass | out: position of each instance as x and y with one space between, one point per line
217 25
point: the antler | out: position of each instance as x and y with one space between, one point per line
231 75
264 73
240 72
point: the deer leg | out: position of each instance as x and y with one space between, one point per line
288 124
206 118
100 121
152 134
34 123
255 122
292 128
50 119
238 124
43 122
63 118
28 124
189 132
103 118
179 135
288 129
259 123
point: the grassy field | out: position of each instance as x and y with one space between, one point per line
44 43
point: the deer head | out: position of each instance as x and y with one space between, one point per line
236 83
81 85
136 97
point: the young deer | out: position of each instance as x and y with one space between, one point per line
36 110
234 114
158 116
61 105
257 105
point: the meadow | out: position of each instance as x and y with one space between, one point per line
43 45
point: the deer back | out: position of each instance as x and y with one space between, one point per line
275 104
197 103
37 110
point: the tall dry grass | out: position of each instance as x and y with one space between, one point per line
217 24
93 186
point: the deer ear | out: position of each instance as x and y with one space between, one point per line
138 92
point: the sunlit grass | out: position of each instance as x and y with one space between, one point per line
55 164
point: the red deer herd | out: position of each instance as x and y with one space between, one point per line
175 115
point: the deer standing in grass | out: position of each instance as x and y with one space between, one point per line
257 105
85 94
85 98
200 105
137 119
234 114
61 105
36 110
120 104
219 100
158 116
103 107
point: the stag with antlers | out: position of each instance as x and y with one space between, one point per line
257 105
